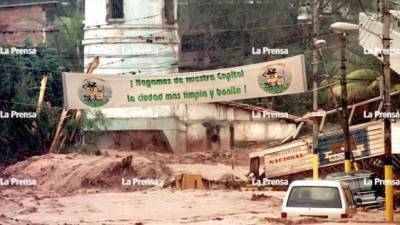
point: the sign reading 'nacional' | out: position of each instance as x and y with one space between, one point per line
366 140
279 77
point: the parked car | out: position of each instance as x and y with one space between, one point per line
366 192
318 198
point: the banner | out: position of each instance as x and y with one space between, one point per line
279 77
331 148
395 140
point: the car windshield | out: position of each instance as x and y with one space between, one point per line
314 197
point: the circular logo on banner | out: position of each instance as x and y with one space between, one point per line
94 92
275 79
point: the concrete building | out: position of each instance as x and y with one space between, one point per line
19 22
216 126
139 37
132 41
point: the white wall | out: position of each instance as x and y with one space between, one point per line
261 131
95 12
122 47
370 38
127 40
245 128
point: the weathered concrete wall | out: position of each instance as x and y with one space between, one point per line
225 138
141 43
22 19
196 137
205 126
206 112
212 111
133 140
260 131
228 120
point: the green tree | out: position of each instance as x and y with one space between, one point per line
68 41
20 81
21 76
226 31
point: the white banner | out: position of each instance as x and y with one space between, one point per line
279 77
395 137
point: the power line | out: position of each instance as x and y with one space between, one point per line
368 26
130 20
141 66
30 68
31 105
245 29
27 31
134 72
365 11
322 87
187 32
299 39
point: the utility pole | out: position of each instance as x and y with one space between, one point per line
315 62
345 114
341 29
43 84
387 108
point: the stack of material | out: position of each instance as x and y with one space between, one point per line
190 181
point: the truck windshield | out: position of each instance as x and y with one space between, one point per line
314 197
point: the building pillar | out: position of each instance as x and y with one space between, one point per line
225 137
177 140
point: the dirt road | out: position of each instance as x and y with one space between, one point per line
87 190
157 207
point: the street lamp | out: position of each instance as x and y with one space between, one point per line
341 29
317 45
304 13
320 43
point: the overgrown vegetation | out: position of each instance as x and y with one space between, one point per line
82 133
226 31
20 80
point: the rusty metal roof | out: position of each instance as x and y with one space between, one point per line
44 4
255 109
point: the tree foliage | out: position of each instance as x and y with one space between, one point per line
20 81
21 77
68 41
227 30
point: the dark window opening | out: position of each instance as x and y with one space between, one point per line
191 43
169 11
116 9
